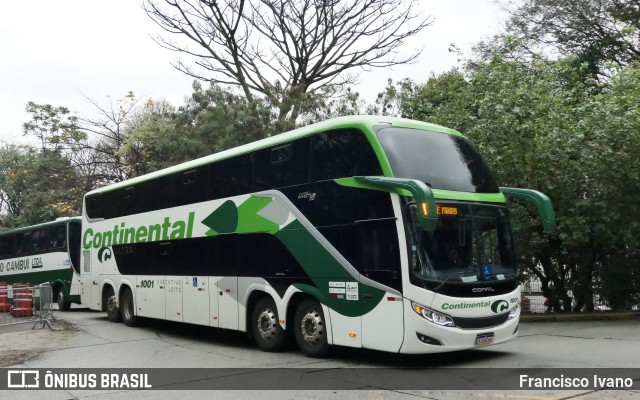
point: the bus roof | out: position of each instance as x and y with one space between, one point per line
364 122
58 221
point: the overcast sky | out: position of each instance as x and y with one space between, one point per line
54 52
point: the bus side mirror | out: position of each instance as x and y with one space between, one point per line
540 200
425 201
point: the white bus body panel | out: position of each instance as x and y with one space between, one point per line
150 299
383 327
346 331
195 301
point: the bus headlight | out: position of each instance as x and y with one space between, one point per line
515 312
432 316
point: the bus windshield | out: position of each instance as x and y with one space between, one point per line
440 160
472 243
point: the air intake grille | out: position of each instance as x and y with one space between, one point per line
480 323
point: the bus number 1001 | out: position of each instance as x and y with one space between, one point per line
146 283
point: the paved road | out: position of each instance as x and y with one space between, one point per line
94 342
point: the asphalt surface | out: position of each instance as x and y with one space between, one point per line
85 339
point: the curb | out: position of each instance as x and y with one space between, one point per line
591 316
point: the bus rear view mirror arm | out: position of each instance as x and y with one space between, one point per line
540 200
427 214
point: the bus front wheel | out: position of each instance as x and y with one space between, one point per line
267 332
127 308
113 312
309 327
63 304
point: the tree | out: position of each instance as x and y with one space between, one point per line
212 120
107 133
286 50
596 31
55 127
36 186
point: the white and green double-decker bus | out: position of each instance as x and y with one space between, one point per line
44 253
368 231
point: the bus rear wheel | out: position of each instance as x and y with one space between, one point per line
113 312
127 308
267 332
309 327
63 304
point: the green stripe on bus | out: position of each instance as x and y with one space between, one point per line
322 267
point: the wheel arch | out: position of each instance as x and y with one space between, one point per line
252 299
296 297
103 294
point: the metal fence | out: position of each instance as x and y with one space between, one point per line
533 301
22 303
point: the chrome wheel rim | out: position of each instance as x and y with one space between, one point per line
312 327
267 324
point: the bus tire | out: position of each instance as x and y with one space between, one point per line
127 309
63 304
113 311
267 332
310 330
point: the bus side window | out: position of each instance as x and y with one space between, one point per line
340 154
380 252
6 245
94 209
106 204
40 240
57 237
74 245
154 194
190 187
127 201
282 165
230 177
24 244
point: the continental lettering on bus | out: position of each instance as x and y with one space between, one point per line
122 234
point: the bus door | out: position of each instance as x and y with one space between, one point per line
90 280
227 287
194 265
382 323
223 305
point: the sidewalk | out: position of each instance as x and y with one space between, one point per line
580 316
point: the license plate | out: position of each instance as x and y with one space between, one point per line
485 338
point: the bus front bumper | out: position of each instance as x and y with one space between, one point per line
422 336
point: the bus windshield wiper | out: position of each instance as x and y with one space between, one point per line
451 275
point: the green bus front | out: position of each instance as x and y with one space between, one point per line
460 286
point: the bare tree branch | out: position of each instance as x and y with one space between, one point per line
283 49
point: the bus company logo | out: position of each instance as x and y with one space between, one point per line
104 254
483 289
311 196
499 306
23 379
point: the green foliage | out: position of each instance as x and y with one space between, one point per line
540 125
55 127
36 187
599 33
213 120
